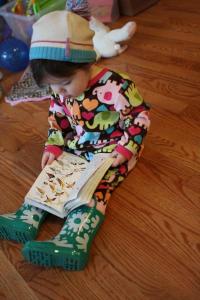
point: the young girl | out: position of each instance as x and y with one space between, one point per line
92 110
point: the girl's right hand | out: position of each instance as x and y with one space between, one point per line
47 158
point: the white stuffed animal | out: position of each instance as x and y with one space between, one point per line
107 42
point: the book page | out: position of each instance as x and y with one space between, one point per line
85 194
94 164
56 181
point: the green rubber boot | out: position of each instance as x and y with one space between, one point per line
70 248
22 225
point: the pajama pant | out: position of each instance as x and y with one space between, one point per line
108 183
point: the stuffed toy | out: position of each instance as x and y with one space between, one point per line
107 42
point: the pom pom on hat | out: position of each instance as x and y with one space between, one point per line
62 36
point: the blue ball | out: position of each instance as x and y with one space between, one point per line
14 55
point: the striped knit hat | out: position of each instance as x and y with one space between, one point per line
63 36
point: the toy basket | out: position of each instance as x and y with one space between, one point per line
21 26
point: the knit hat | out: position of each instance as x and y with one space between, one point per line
63 36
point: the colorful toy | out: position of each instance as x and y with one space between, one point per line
39 5
14 55
106 41
29 8
18 8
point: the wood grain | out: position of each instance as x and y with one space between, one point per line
12 284
149 245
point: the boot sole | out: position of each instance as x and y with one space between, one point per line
8 232
50 258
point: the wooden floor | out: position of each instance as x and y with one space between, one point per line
149 244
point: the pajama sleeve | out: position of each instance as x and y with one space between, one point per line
134 120
59 128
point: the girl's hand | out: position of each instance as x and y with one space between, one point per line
119 158
47 158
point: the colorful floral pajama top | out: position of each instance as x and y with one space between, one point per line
109 115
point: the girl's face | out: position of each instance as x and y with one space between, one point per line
72 86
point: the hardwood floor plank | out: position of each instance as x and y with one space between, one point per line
12 285
167 46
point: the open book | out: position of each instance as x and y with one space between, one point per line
67 183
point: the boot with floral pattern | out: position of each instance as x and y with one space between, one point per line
70 248
22 225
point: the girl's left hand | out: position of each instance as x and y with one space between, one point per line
119 158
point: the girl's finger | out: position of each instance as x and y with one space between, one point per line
45 159
51 158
